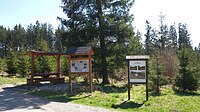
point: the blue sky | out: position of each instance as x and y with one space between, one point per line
29 11
13 12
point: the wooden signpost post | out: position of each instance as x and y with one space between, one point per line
137 71
80 63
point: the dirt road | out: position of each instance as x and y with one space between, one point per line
13 101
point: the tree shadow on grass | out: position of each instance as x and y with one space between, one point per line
54 96
127 105
154 94
186 93
113 88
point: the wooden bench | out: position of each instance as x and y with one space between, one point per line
45 75
49 79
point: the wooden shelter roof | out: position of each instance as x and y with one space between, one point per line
80 51
44 53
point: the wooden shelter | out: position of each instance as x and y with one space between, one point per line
40 77
80 63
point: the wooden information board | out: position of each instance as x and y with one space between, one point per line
80 63
137 71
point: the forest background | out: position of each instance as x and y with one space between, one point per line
106 26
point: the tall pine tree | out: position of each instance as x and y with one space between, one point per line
172 37
148 39
184 36
97 21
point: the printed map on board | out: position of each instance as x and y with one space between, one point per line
137 71
79 65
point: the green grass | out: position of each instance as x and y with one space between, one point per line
115 98
11 80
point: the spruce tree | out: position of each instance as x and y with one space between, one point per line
184 36
12 63
148 39
95 23
24 65
186 79
157 69
3 66
172 37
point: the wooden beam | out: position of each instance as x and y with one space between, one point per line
44 53
80 58
147 89
70 76
32 67
42 74
90 73
78 54
129 85
58 66
80 73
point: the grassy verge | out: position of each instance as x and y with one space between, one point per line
11 80
115 98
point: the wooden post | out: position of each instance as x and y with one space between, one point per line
129 96
58 66
70 75
90 73
32 67
147 92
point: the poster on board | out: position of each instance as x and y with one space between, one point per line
79 65
137 71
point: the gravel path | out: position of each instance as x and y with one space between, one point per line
13 101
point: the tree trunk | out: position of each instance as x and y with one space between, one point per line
104 71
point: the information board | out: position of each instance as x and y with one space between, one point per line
79 65
137 71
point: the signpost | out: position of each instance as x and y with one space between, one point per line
137 71
80 63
